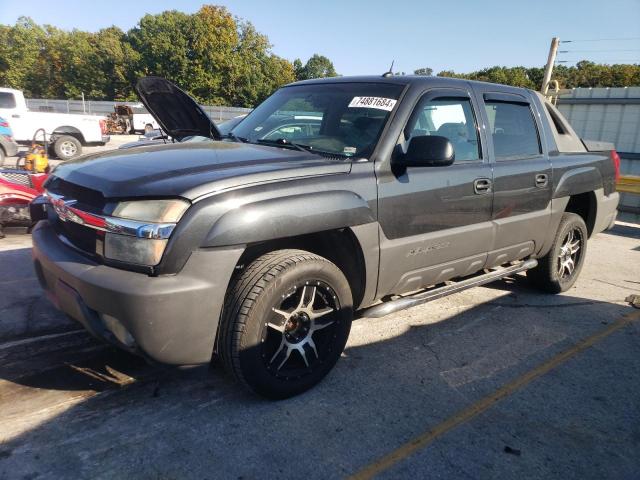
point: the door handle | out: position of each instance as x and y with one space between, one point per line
481 186
541 180
15 116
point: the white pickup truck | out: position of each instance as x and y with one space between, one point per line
67 133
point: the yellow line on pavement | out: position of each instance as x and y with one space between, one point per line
485 403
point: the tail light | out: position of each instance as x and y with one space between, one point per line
615 158
103 127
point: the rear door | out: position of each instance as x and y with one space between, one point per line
435 221
521 174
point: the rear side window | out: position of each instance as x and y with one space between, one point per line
513 130
7 100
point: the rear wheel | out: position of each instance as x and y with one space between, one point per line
67 147
559 269
285 322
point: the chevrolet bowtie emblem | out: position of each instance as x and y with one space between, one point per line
61 206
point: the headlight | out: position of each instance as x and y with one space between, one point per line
160 211
138 231
141 251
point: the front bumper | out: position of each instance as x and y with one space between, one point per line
169 319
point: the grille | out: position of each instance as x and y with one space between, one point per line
91 200
81 237
21 178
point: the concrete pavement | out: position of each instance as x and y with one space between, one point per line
72 407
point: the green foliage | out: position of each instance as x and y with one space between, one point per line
20 46
318 66
426 71
216 57
583 74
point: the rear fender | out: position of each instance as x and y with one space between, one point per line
578 180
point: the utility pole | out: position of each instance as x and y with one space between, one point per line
548 70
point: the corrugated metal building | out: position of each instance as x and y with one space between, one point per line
610 115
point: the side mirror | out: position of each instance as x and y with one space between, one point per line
428 151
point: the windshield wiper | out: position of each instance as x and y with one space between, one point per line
283 142
235 138
186 130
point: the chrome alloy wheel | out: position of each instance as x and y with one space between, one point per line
569 253
68 148
304 323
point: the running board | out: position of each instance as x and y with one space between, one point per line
385 308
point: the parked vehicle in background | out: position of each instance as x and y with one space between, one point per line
67 133
143 123
17 189
256 249
8 145
157 137
130 119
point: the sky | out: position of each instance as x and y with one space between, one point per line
363 37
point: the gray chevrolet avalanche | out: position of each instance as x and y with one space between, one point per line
336 195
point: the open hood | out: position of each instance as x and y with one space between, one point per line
177 113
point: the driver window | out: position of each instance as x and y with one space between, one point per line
451 118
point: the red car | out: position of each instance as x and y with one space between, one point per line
17 189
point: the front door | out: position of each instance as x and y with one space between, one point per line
435 221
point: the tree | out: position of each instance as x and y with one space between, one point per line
426 71
217 58
117 60
584 74
298 69
20 47
318 66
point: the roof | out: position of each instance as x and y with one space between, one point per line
406 80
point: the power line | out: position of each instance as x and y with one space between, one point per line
600 39
612 50
626 61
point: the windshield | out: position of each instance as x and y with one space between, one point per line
343 119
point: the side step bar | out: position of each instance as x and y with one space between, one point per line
385 308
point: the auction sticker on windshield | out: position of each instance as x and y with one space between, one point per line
373 102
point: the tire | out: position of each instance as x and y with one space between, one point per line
272 309
559 269
67 147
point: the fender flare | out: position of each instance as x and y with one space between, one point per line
289 216
578 180
69 130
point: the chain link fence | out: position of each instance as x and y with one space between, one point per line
102 108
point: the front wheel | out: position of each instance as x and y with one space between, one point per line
559 269
285 322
